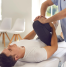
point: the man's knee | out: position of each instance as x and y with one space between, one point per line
36 24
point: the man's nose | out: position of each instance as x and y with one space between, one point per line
12 45
4 50
9 46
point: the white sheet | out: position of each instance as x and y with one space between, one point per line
52 62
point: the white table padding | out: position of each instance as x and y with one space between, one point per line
52 62
63 65
61 55
62 44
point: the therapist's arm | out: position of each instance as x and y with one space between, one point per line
31 35
58 16
44 6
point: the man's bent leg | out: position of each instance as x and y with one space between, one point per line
43 32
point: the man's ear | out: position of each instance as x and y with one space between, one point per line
16 57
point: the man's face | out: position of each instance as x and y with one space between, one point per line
11 50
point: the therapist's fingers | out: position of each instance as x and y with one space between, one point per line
38 17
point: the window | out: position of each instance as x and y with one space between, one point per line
48 12
0 9
51 10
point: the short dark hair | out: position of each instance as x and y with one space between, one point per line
6 61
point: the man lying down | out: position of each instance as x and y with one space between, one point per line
30 50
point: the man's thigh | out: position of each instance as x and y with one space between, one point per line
43 31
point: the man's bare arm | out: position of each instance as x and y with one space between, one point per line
31 35
51 49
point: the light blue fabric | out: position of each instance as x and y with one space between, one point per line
61 5
55 2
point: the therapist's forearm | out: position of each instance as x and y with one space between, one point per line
44 8
58 16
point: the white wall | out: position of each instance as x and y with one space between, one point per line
35 9
18 9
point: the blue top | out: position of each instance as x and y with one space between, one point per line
61 5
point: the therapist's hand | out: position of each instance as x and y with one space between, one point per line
38 17
41 19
